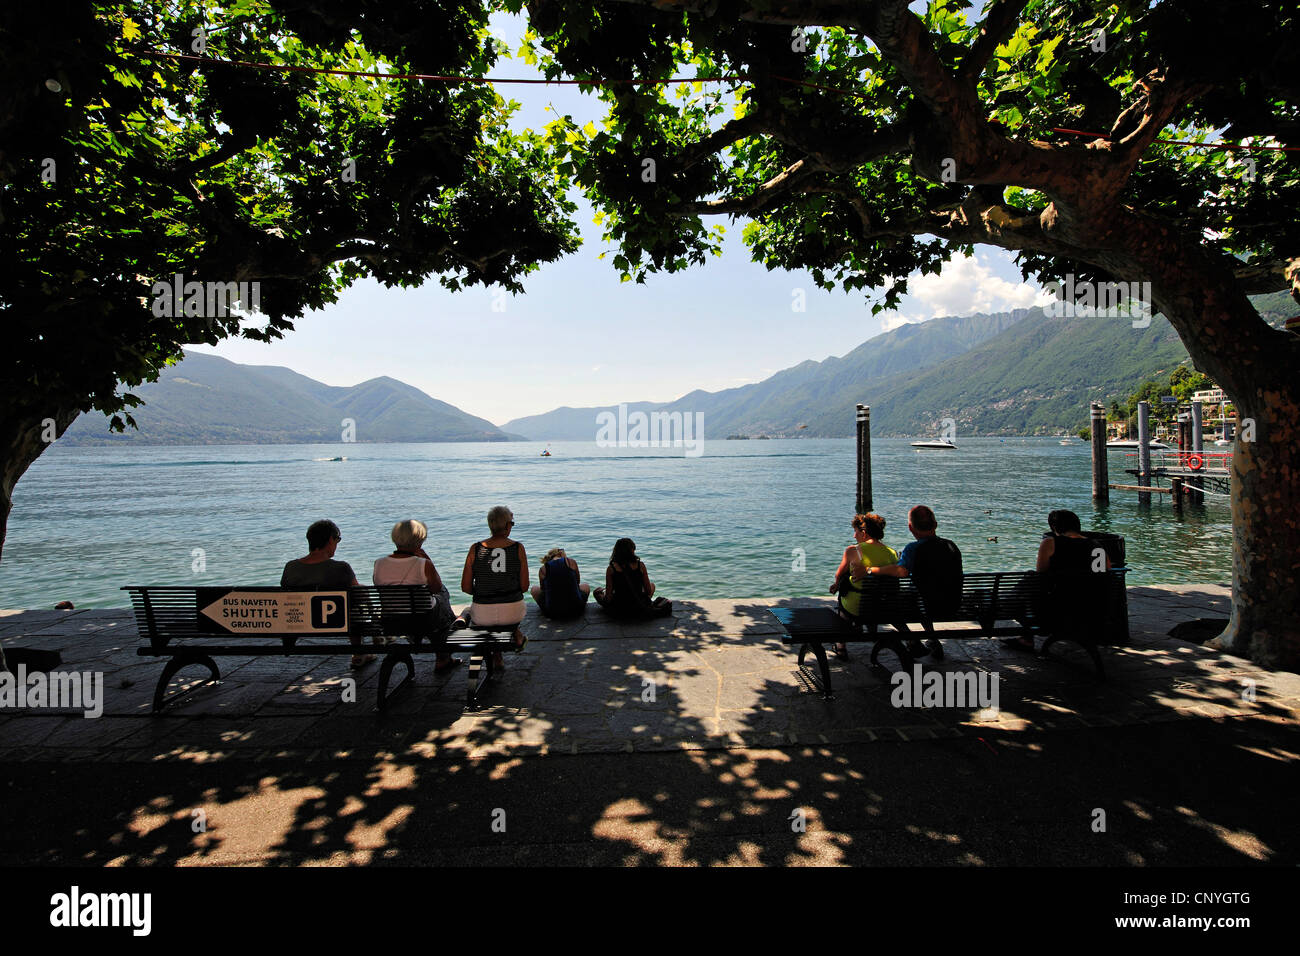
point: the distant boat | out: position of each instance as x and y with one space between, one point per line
1065 441
337 458
1133 443
1223 443
937 443
545 454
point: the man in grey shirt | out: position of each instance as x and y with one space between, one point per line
319 570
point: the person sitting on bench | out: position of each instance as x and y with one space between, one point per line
935 565
628 590
869 552
496 575
318 570
1064 550
559 592
408 564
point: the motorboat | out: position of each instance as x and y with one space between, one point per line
936 443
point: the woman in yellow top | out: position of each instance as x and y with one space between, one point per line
869 552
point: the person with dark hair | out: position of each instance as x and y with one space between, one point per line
1064 550
319 571
560 592
935 565
628 590
868 552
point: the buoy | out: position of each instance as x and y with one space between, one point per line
1195 462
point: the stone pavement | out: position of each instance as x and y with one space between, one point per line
715 676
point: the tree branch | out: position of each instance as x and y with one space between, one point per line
997 26
775 189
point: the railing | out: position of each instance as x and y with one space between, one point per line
1209 462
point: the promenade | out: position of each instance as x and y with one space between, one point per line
693 739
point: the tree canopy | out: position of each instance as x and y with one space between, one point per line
130 153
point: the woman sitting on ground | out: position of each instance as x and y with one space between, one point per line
1065 549
868 552
319 571
628 590
408 564
496 574
560 592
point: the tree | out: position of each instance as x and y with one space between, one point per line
122 165
868 142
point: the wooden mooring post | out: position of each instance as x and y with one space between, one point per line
1144 451
1177 493
864 459
1198 446
1100 466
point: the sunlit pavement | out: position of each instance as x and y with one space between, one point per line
693 740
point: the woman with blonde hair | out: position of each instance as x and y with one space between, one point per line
408 564
496 575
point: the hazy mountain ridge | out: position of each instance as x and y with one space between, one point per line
993 374
780 403
209 400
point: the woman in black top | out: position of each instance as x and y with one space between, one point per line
1065 549
628 590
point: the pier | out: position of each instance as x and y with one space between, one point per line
1192 471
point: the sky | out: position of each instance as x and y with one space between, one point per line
579 337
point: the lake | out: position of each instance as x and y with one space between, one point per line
731 522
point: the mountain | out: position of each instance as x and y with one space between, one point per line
779 404
1012 373
207 400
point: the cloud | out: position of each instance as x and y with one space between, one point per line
966 285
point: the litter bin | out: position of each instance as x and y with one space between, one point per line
1117 607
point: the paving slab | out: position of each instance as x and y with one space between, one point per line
714 676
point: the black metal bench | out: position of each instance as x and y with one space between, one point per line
188 624
1088 609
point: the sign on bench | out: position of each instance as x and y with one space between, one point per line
231 611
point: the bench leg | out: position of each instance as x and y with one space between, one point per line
480 669
891 641
822 664
1089 647
169 671
386 672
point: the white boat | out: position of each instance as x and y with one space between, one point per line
1065 441
937 443
1223 443
1133 443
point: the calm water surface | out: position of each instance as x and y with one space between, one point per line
729 523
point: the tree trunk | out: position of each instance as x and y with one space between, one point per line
1256 367
24 439
1265 623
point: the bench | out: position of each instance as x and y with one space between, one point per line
1089 609
190 625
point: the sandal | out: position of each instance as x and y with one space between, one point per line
519 647
361 660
